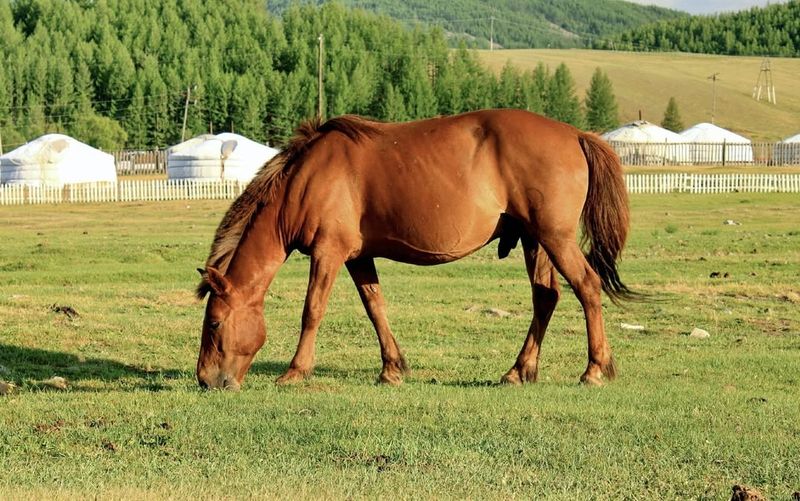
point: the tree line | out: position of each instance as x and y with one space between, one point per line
120 73
773 30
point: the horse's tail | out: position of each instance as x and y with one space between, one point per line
606 217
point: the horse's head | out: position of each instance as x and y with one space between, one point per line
233 332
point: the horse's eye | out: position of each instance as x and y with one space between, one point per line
214 324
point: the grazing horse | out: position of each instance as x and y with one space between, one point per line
426 192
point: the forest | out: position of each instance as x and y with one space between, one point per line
769 31
121 73
515 23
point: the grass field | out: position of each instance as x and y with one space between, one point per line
687 418
645 81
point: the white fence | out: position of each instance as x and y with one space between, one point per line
158 190
123 191
712 183
724 153
136 162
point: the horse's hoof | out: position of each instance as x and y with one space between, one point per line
511 378
390 378
292 376
516 376
589 380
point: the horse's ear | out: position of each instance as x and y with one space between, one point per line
216 281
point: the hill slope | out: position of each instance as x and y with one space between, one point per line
645 81
517 24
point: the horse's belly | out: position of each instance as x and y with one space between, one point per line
431 238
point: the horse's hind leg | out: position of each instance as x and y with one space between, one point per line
366 279
545 292
563 249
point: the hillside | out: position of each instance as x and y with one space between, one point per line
773 30
517 24
645 81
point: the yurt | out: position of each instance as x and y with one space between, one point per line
56 160
644 143
787 152
214 157
713 145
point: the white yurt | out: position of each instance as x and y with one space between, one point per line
214 157
787 152
56 160
644 143
712 144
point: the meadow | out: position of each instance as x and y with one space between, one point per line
686 418
645 81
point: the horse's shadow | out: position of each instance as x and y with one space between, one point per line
30 367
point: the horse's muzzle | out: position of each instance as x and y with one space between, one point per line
221 382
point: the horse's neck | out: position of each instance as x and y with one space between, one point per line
260 254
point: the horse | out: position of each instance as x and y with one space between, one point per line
350 190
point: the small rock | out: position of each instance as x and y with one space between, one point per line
631 327
497 312
726 275
744 493
6 388
715 274
699 333
56 382
731 222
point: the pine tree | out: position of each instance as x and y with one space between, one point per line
509 92
562 102
601 105
672 118
393 108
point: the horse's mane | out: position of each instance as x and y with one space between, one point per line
261 190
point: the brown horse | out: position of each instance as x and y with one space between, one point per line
425 192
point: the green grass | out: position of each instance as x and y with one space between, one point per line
686 418
646 81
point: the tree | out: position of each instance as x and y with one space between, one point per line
101 132
509 88
562 103
672 118
393 107
601 105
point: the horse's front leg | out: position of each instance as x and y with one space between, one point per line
324 268
366 279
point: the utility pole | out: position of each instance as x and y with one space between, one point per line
714 79
491 34
320 90
185 113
